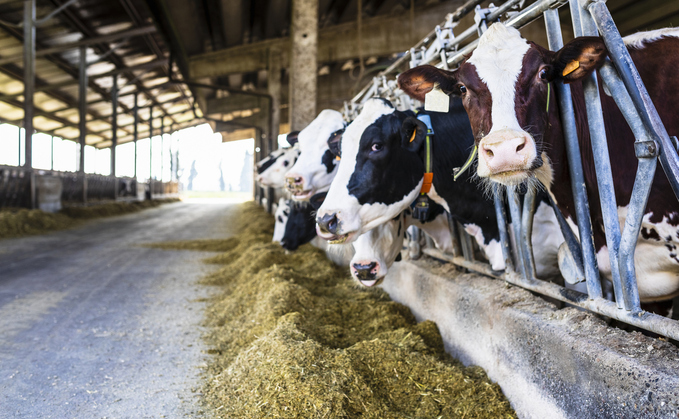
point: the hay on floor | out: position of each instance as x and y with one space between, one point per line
292 337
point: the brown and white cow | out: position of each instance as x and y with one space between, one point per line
504 88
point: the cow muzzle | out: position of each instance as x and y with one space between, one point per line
295 183
366 273
328 227
506 156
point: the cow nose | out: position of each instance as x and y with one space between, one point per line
506 155
365 271
294 183
328 223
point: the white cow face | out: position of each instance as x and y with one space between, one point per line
316 166
379 175
281 215
271 170
376 250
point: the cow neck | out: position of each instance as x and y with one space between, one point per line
466 202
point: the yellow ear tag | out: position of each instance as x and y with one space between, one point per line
412 137
570 67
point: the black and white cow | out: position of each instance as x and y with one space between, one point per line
505 88
272 169
377 250
281 219
316 166
382 171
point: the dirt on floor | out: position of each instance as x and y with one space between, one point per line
292 337
17 222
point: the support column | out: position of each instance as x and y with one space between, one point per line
29 77
150 152
114 124
162 147
52 152
136 130
303 64
82 105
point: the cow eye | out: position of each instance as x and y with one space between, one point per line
377 147
463 89
543 73
285 163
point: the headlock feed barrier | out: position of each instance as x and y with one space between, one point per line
577 260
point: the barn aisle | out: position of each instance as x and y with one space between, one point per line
93 325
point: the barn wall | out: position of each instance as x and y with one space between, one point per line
550 363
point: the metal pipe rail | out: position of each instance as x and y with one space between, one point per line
621 79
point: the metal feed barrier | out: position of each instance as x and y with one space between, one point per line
590 18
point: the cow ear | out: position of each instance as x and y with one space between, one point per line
292 138
413 133
578 59
317 200
420 80
335 143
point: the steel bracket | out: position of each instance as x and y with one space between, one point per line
646 149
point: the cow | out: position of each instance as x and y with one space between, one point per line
272 169
316 166
382 171
281 219
505 87
376 250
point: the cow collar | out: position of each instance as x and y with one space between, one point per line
421 205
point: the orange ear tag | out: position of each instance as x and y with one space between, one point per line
337 158
570 67
413 136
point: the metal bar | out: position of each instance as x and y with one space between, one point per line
150 145
454 236
467 247
114 124
82 105
136 130
642 101
515 211
574 8
162 147
602 166
29 78
85 42
581 201
527 215
52 152
54 13
502 228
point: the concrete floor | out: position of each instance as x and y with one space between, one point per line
93 326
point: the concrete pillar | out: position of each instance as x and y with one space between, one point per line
303 63
274 87
29 77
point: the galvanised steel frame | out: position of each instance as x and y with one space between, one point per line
621 79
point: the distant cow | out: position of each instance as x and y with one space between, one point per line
281 219
316 165
272 169
504 87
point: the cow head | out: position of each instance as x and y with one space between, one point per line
316 165
379 175
291 138
281 217
376 250
300 227
504 86
271 170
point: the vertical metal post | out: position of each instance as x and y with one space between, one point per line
136 130
502 228
515 211
162 147
29 78
114 124
555 41
151 152
51 152
19 147
82 105
528 214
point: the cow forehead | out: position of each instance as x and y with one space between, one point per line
316 134
498 61
372 111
